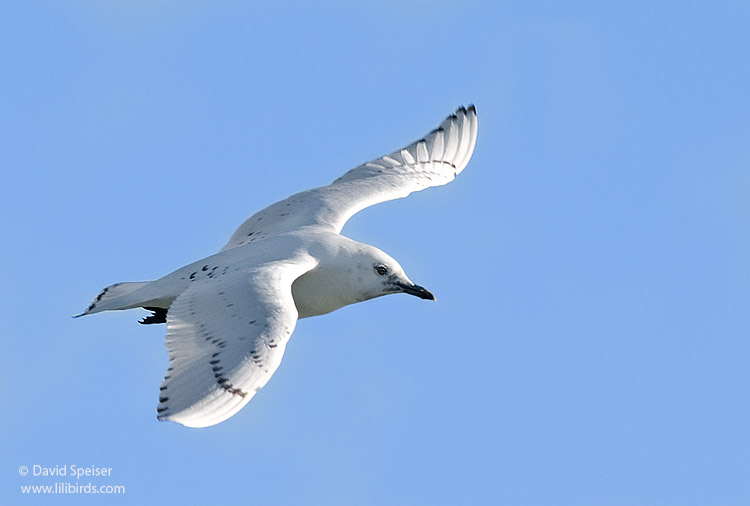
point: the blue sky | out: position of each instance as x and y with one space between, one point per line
589 345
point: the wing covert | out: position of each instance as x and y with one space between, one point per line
226 338
434 160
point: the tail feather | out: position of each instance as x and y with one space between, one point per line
106 300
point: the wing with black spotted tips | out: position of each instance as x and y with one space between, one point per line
434 160
225 339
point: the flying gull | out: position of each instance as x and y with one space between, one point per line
230 315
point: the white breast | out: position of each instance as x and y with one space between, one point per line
321 291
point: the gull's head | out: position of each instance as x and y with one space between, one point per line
378 274
350 272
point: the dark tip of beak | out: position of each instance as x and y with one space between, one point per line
417 291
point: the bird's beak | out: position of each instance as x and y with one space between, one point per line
416 290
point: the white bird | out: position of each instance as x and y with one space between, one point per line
229 316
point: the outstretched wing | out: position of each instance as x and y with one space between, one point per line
225 338
434 160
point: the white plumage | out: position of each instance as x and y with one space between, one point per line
434 160
229 316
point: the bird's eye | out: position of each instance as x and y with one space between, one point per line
382 270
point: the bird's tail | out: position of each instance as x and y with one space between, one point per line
117 296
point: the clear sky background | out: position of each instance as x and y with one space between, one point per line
589 344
